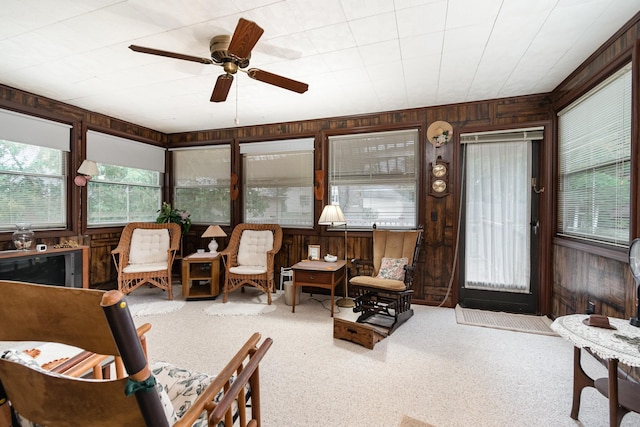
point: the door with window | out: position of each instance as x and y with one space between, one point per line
500 221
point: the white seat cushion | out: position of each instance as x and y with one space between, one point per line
248 269
149 246
143 268
253 248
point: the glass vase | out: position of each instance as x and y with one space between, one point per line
23 236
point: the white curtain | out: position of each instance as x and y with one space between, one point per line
498 206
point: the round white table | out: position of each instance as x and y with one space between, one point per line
621 344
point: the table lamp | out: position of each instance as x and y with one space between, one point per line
214 231
331 216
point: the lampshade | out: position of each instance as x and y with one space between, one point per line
214 231
332 215
88 167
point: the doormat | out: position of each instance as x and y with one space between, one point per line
500 320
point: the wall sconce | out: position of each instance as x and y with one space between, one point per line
439 133
214 231
87 169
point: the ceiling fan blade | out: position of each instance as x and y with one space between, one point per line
168 54
245 37
276 80
221 89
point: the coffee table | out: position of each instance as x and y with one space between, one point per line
318 274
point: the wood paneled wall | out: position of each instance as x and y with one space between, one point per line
582 272
438 216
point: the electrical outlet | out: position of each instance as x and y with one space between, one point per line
591 307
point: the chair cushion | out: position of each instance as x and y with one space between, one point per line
392 268
149 246
248 269
253 248
375 282
181 385
143 268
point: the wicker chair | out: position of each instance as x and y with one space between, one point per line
383 287
249 258
145 254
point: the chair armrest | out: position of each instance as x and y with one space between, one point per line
244 365
409 271
364 267
86 361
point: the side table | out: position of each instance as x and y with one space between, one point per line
614 345
319 274
197 270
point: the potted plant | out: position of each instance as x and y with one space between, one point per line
167 213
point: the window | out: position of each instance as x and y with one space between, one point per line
594 137
373 177
202 183
33 171
32 186
128 186
278 182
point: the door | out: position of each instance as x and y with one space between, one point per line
500 225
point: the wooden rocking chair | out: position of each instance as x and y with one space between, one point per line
383 287
100 323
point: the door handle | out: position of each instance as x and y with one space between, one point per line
535 226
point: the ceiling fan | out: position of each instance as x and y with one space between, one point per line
233 54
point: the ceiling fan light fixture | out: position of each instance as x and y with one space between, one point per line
230 67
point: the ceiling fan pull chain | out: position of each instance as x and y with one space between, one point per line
237 120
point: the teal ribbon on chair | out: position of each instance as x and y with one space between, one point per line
135 386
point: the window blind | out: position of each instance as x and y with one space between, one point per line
113 150
278 182
32 130
373 178
202 183
594 162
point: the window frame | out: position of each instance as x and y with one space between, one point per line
418 128
225 187
302 145
105 148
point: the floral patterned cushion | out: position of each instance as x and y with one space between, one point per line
392 268
182 388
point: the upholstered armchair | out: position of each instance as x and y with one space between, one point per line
249 258
145 255
383 286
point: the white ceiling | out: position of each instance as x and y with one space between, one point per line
357 56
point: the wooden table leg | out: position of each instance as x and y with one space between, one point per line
580 381
293 302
